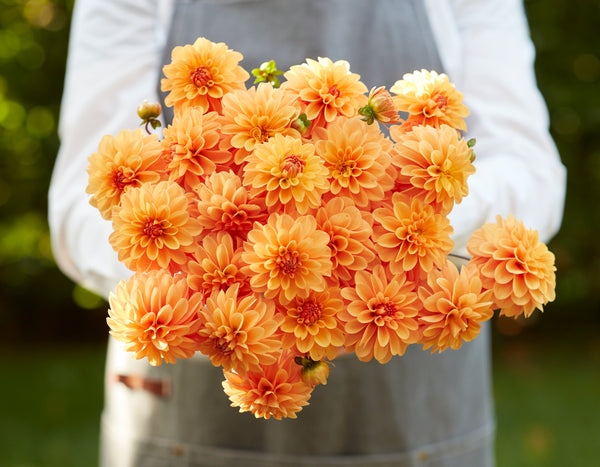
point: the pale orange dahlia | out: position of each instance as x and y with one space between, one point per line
311 325
225 205
381 317
128 159
357 156
327 88
199 75
349 237
216 265
435 164
155 316
515 265
191 147
252 116
287 173
432 97
239 332
276 390
287 257
454 306
152 228
411 234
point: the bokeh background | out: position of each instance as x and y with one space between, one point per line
546 371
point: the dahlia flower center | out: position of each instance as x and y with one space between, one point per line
201 77
260 134
153 229
288 263
345 169
334 92
442 101
384 309
292 166
123 177
310 312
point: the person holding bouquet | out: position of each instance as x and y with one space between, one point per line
418 408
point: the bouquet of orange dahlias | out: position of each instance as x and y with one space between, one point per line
273 228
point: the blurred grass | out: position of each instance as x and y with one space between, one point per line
546 388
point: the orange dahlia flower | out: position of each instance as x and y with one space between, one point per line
349 237
515 265
216 265
155 316
276 390
224 205
432 96
381 317
435 164
327 88
287 173
252 116
357 156
287 257
311 325
199 75
454 306
128 159
239 332
191 147
152 228
411 235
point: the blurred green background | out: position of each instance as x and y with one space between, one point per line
547 371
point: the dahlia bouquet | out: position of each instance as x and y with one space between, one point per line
273 228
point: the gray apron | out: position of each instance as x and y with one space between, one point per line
416 410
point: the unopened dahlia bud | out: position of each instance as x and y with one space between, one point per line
301 124
380 107
149 113
313 372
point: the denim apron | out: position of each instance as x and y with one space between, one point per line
418 409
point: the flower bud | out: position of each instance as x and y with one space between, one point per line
301 124
382 106
149 111
313 372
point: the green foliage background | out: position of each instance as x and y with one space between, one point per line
39 303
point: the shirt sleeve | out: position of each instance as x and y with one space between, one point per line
115 50
488 53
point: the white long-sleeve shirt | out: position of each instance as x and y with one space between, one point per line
115 53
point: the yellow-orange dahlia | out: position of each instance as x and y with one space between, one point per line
287 173
199 75
349 237
454 306
287 257
411 234
311 325
515 265
128 159
327 88
152 228
191 147
381 317
435 163
239 332
276 390
432 96
252 116
155 316
357 156
216 265
225 205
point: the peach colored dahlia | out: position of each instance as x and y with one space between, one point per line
327 88
287 257
152 228
287 173
515 265
357 157
128 159
276 390
454 306
199 75
311 325
432 96
435 164
155 316
411 234
191 147
381 317
239 332
252 116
